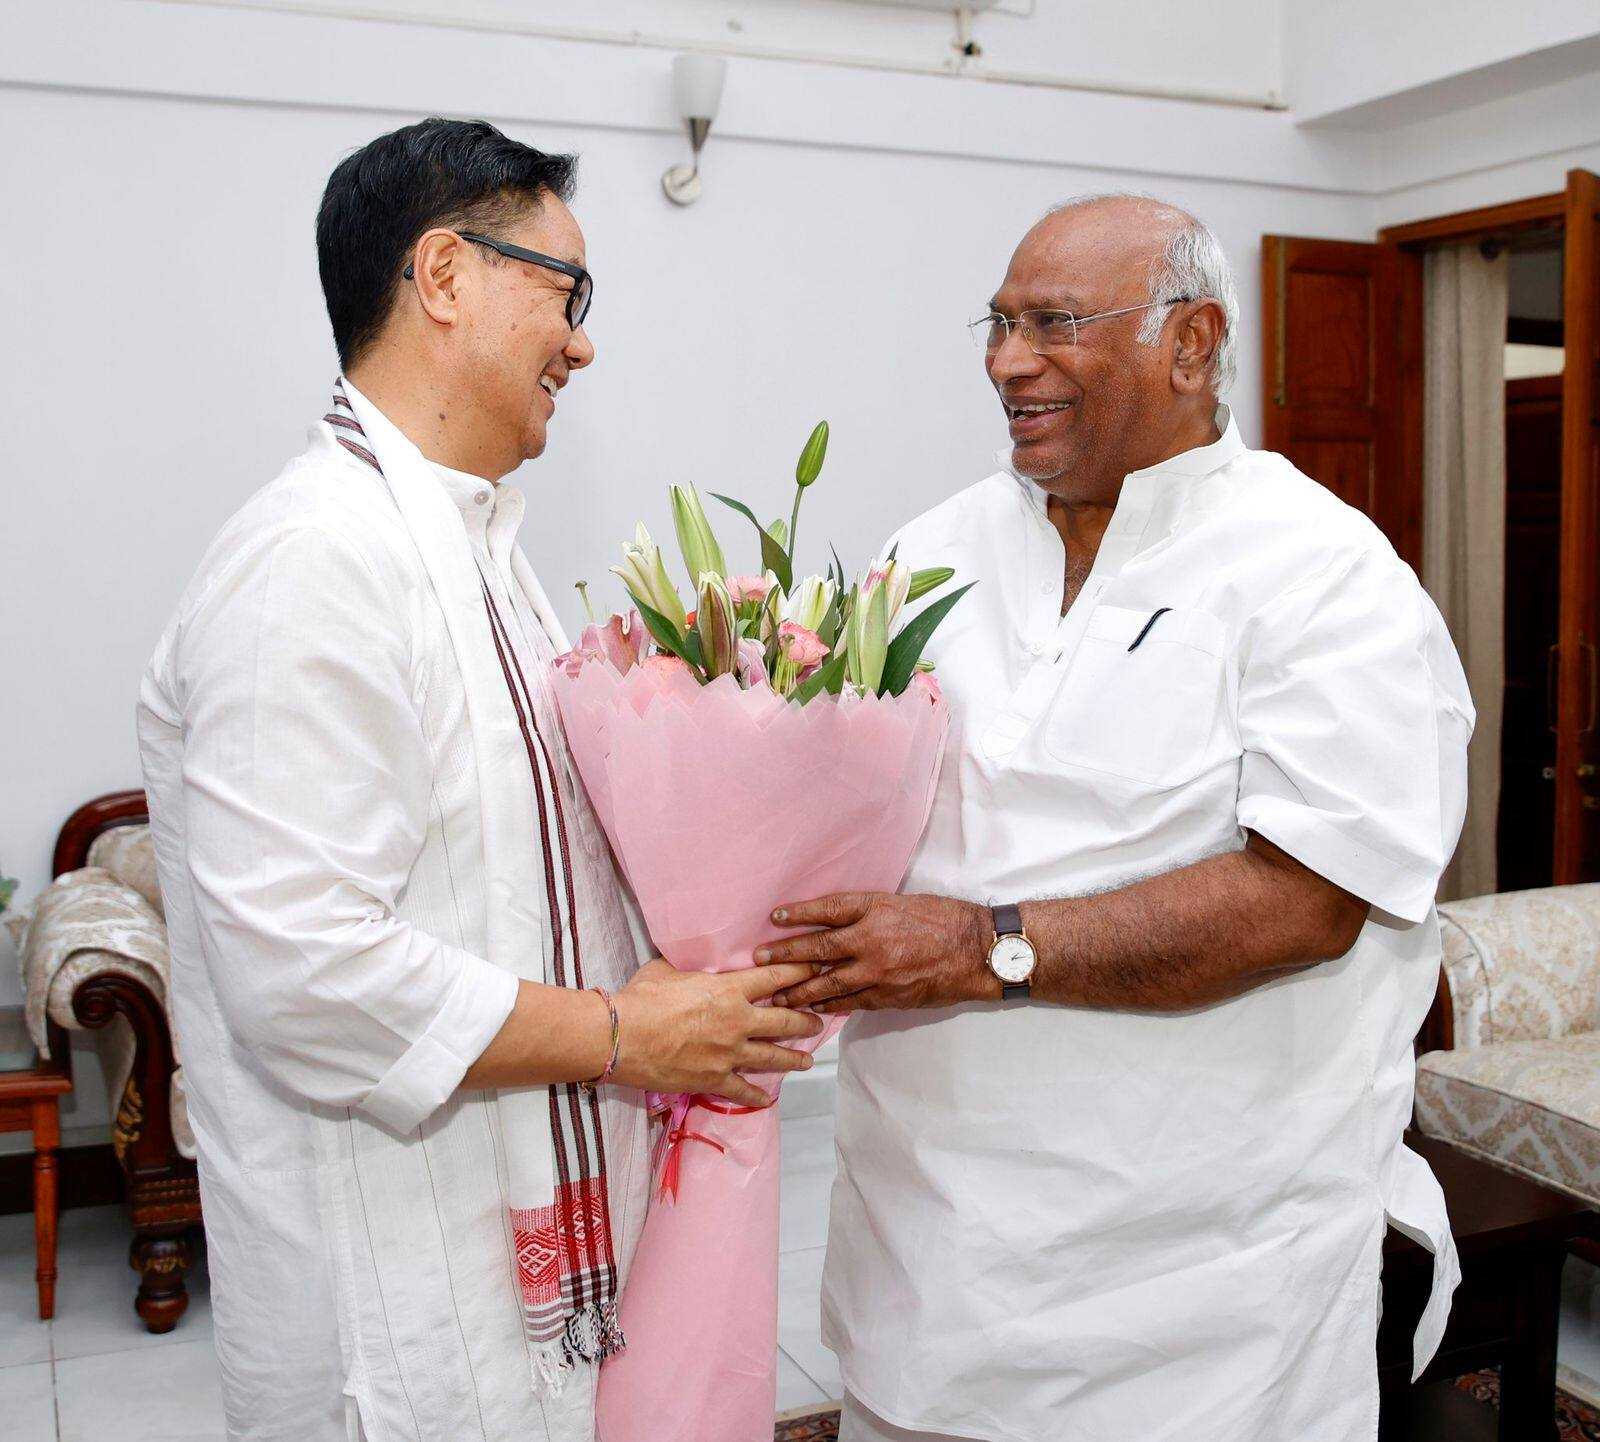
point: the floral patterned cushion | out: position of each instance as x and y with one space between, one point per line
129 854
1533 1106
1523 965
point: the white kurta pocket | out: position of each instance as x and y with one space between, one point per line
1147 713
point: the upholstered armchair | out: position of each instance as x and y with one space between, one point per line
94 958
1510 1056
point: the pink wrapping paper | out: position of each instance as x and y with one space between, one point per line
719 804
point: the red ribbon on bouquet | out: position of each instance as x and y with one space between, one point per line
675 1109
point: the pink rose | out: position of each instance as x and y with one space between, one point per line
799 646
664 663
748 588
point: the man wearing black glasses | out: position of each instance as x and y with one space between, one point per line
404 975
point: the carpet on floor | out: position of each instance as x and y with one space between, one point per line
1576 1421
813 1427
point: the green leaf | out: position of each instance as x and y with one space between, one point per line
668 636
773 557
693 650
828 631
930 580
809 466
829 677
906 648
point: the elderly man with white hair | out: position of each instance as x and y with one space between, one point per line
1122 1101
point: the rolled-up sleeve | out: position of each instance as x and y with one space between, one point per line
307 783
1354 717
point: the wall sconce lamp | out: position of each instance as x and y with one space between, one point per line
697 87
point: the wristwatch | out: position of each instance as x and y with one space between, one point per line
1012 957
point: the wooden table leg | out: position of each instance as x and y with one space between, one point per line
46 1140
1528 1375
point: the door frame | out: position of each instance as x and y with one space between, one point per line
1572 212
1403 247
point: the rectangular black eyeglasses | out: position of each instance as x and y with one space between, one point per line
578 297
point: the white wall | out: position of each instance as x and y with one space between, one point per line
1230 47
1519 145
1375 62
167 344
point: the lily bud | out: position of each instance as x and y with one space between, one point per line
718 627
772 610
808 604
929 580
645 575
867 641
701 553
895 578
809 466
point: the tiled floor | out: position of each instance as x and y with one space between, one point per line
73 1380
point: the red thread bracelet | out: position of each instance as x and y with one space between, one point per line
616 1040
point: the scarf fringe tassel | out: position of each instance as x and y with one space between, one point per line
592 1334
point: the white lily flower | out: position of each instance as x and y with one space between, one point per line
808 603
645 575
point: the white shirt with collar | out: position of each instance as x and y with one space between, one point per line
1052 1222
319 825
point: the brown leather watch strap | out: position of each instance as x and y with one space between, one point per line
1007 920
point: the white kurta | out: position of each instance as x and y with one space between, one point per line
318 823
1060 1223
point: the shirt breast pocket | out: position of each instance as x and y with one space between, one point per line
1147 714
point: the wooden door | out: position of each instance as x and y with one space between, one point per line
1525 834
1577 839
1332 323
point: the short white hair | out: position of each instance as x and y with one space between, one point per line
1192 263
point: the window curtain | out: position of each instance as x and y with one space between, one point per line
1464 515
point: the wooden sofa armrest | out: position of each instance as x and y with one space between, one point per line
116 808
142 1131
163 1190
1438 1031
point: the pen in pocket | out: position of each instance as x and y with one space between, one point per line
1155 616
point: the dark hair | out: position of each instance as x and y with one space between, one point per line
459 173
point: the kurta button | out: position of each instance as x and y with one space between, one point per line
482 498
1037 648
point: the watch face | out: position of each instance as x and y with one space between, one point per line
1011 959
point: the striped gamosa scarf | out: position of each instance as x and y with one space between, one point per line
565 1261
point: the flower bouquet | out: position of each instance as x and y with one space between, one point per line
779 740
